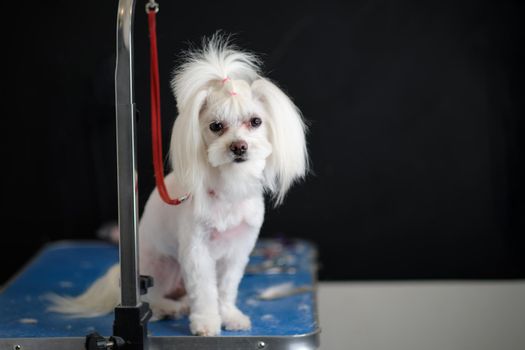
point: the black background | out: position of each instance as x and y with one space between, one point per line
415 111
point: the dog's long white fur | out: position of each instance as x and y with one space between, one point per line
203 245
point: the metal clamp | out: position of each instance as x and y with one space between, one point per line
95 341
152 5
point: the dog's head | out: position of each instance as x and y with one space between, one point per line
233 120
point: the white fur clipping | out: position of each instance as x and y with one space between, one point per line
282 290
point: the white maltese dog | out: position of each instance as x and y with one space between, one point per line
237 136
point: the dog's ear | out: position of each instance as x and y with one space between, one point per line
187 154
289 159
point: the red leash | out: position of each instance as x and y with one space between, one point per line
156 136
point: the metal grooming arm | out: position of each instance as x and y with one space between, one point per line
131 316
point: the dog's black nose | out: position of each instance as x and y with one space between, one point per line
239 147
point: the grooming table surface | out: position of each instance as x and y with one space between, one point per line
68 268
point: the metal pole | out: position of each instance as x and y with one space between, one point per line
131 316
126 157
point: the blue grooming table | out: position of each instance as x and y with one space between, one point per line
289 322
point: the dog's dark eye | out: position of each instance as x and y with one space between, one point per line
216 126
255 122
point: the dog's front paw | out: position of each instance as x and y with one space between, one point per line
234 320
205 324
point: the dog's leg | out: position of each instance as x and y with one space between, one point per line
164 307
230 271
198 269
165 271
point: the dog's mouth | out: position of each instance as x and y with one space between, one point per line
239 159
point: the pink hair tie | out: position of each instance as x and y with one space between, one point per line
232 93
